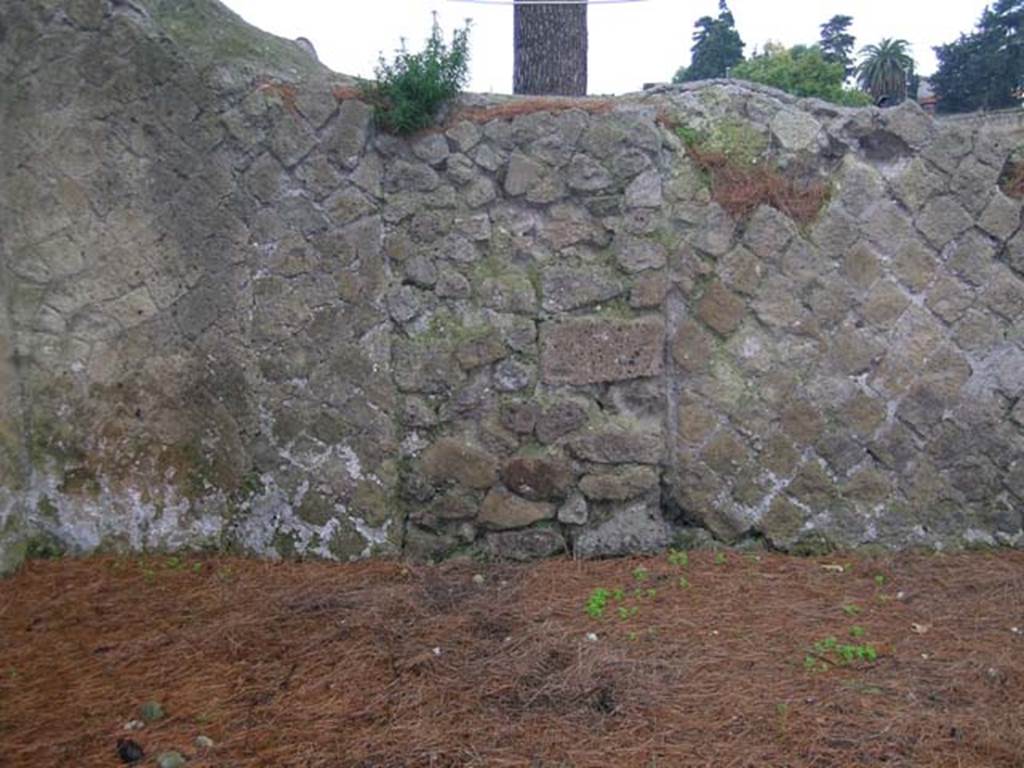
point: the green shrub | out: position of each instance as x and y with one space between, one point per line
803 71
410 90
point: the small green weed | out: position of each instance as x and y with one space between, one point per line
641 574
597 602
879 579
863 652
720 558
678 558
44 547
684 582
856 631
690 136
627 613
831 652
850 609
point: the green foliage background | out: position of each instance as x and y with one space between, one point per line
984 69
803 71
717 47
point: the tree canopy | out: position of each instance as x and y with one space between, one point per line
885 70
837 43
984 69
717 47
801 70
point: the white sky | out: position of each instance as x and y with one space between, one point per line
630 44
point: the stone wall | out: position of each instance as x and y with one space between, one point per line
234 316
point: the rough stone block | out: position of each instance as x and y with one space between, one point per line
531 544
518 416
649 290
480 350
884 304
431 149
522 174
537 478
502 509
725 453
347 135
424 366
768 233
915 265
574 511
636 254
592 350
942 220
619 485
451 459
644 191
464 135
861 266
692 347
740 270
795 130
588 175
721 309
695 422
568 288
783 522
1001 217
611 445
560 419
634 527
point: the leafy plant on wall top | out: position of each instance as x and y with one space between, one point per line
410 91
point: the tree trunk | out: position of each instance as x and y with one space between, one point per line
550 49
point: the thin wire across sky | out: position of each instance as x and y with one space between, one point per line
547 2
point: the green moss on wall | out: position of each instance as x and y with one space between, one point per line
214 36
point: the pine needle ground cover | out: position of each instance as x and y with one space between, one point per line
685 659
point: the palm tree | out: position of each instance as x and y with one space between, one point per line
885 69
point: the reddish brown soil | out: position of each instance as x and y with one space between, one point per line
529 105
311 664
740 188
